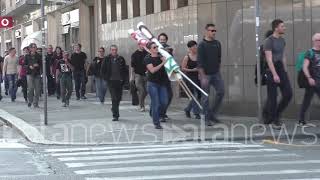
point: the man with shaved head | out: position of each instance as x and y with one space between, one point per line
311 69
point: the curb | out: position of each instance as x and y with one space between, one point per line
33 135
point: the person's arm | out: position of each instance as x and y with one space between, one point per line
201 59
70 65
285 62
306 72
57 75
5 64
268 52
132 67
153 69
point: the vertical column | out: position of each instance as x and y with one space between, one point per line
130 9
23 32
58 35
157 6
143 7
35 26
52 30
3 44
13 38
84 28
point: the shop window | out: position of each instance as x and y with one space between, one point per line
103 11
149 7
165 5
124 9
136 8
113 4
182 3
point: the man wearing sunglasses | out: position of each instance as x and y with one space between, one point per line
209 61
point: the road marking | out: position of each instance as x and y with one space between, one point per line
150 150
214 174
157 160
286 144
141 147
90 158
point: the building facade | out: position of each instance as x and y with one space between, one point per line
184 20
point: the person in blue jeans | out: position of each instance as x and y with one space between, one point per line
209 57
156 83
190 67
10 70
95 68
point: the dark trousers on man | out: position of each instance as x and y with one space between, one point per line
115 87
272 110
50 84
80 84
309 92
24 86
66 88
170 96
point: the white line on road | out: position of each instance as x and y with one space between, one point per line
214 174
149 150
157 160
227 152
141 147
9 145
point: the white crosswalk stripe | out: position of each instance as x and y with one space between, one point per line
11 144
185 161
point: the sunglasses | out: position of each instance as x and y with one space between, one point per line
155 47
213 30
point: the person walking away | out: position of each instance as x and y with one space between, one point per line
114 71
209 62
156 85
95 69
277 75
57 56
163 39
22 75
190 67
49 64
311 69
78 61
10 70
33 65
138 74
64 75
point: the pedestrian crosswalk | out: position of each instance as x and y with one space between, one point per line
193 160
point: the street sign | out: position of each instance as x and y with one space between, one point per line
6 22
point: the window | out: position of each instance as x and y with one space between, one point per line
182 3
113 10
124 9
149 7
136 8
165 5
103 11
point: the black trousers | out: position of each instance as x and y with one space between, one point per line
115 88
309 92
170 95
273 109
80 83
50 84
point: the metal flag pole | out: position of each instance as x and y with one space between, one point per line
257 12
44 73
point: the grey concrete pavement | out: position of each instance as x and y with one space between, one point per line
89 122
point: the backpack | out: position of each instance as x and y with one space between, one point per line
263 68
302 79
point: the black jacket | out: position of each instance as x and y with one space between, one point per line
209 56
29 61
106 68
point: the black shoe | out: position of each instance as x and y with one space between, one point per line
0 97
216 121
13 100
165 117
78 98
197 116
115 119
36 106
58 97
163 120
304 124
188 115
6 93
67 102
158 127
64 105
83 97
209 123
29 104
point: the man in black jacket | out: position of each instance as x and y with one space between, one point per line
33 65
114 71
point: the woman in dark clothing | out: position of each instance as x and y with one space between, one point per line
156 85
57 56
189 66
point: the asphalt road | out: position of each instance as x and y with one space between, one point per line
188 160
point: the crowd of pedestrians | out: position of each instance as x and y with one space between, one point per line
201 64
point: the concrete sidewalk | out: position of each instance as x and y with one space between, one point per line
89 122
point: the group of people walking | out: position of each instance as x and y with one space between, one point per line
201 64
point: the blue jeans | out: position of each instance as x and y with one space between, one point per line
159 100
12 85
216 81
192 104
101 88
